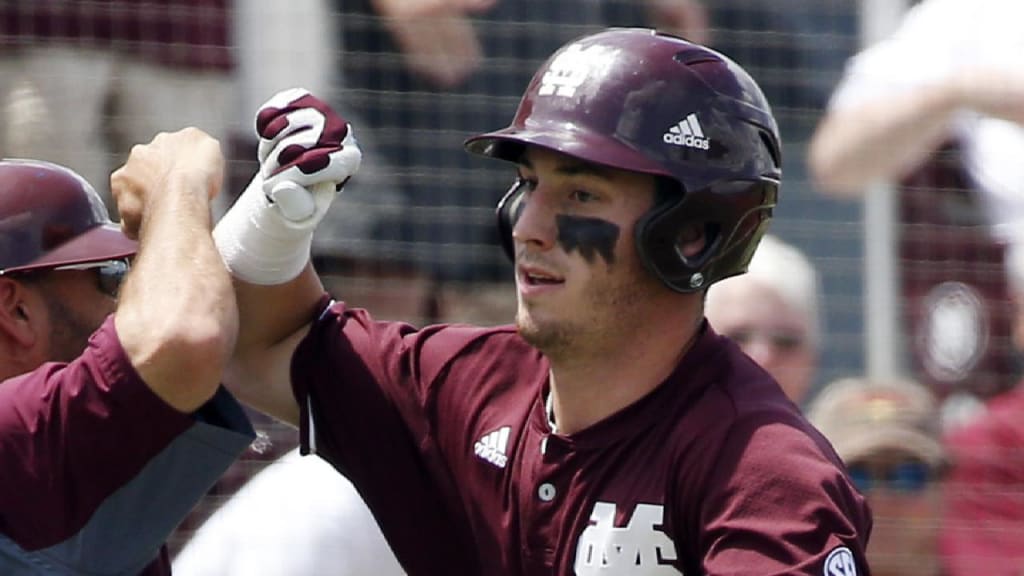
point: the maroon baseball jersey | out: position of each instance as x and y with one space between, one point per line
714 472
98 470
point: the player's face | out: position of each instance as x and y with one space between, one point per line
768 329
578 275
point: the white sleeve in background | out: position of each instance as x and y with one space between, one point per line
297 517
922 51
282 45
937 40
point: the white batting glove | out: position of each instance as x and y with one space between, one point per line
307 152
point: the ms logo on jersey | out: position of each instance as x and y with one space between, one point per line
570 69
639 549
840 563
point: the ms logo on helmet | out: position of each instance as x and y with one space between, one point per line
570 69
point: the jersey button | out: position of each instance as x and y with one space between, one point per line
546 492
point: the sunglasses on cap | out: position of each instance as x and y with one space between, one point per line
910 477
109 274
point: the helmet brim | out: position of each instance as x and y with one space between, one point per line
104 242
509 144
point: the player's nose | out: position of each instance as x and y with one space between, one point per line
535 225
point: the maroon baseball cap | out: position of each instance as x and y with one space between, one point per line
50 216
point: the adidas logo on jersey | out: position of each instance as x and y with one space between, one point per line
687 133
492 446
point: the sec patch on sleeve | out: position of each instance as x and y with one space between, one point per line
840 563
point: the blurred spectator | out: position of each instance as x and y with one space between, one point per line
82 81
772 313
937 107
984 525
888 435
298 517
952 69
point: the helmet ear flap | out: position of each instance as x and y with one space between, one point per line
734 215
507 213
658 238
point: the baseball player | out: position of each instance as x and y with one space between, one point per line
611 430
112 422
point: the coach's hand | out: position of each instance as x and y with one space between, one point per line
307 152
153 170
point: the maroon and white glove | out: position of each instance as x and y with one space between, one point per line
307 153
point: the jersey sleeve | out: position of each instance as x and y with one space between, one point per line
775 504
368 400
98 470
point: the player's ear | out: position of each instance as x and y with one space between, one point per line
692 239
19 324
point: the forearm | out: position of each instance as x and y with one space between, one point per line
177 317
857 146
273 320
265 239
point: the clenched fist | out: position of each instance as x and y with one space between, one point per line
139 185
306 152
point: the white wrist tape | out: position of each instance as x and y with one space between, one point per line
268 243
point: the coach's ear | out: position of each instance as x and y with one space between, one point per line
17 321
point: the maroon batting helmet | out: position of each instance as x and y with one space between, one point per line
50 216
639 100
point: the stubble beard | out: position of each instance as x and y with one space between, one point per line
552 340
608 312
69 333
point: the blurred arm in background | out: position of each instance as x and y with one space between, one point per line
436 37
902 98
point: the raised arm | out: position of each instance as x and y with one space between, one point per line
878 140
306 153
887 136
176 317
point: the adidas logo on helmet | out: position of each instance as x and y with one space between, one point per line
687 132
